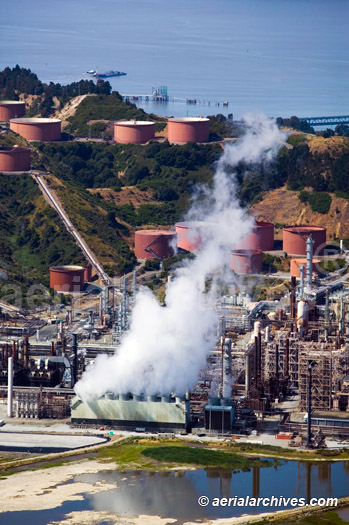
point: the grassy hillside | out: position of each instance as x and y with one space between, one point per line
94 113
165 173
31 238
98 225
285 207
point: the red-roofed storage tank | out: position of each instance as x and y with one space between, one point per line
14 159
41 129
11 109
297 263
261 238
182 130
133 131
295 239
246 261
150 244
67 279
188 235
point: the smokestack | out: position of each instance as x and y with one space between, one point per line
38 335
227 371
259 357
14 351
10 387
26 352
247 373
341 245
75 352
309 273
301 290
293 297
267 334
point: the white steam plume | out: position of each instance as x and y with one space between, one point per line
165 348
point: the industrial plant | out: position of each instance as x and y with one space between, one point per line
213 355
265 353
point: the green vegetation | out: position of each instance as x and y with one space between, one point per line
201 457
170 172
19 80
289 453
32 238
98 225
273 263
331 265
342 130
328 517
22 81
323 171
221 127
152 265
158 454
319 202
342 195
295 123
295 140
103 108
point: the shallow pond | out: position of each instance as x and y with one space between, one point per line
175 494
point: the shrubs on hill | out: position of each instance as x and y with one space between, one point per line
319 202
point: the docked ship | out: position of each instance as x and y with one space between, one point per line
107 74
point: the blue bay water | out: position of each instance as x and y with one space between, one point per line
283 57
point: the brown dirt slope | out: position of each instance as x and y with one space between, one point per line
283 207
127 195
70 109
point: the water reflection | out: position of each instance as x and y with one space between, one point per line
175 494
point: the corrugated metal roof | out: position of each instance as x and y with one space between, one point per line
111 409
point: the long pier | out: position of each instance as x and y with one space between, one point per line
136 97
329 121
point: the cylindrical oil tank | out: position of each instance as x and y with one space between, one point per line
297 263
261 238
67 278
295 239
14 159
188 235
11 109
133 131
41 129
150 244
246 261
188 129
88 273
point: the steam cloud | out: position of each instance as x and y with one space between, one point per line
165 348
